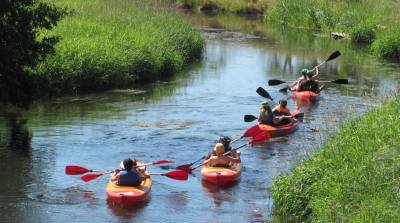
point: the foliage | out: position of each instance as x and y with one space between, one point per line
237 6
20 47
115 44
388 44
359 19
354 177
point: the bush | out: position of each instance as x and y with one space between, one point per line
363 33
387 44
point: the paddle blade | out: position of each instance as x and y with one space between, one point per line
89 177
262 137
252 131
75 170
262 92
177 175
183 167
341 81
283 90
188 170
249 118
162 162
300 115
275 82
334 56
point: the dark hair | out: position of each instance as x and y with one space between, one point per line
310 74
224 139
129 163
283 103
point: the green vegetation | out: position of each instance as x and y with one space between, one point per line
20 22
114 44
373 22
353 177
237 6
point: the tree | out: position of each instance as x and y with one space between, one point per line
22 49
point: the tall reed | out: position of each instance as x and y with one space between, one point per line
365 21
113 44
353 177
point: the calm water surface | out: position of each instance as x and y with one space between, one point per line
181 119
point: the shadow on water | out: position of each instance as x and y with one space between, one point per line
128 212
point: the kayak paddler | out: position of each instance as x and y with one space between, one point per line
267 116
220 160
282 110
225 140
131 176
307 82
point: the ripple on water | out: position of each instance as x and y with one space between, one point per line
70 195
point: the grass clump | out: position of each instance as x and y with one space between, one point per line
236 6
114 44
353 177
364 21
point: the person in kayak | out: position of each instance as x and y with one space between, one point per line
281 110
220 160
131 176
307 82
267 116
225 140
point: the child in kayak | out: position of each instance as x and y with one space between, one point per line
281 110
267 116
130 177
225 140
220 160
307 82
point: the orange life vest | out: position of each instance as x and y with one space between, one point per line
285 110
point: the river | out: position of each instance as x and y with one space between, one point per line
181 119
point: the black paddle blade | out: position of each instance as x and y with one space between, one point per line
249 118
262 92
283 90
341 81
275 82
334 56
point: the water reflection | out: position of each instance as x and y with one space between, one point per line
128 212
222 193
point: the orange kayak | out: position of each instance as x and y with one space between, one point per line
281 130
126 196
221 175
307 95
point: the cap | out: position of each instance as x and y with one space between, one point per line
265 104
304 71
224 139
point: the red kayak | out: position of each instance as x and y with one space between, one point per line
307 95
221 175
282 130
126 196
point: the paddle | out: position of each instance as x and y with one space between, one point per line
277 82
176 175
261 137
312 129
253 131
263 93
250 118
77 170
331 57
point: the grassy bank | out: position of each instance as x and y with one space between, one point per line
114 44
373 22
353 177
236 6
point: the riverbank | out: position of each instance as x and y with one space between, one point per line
353 177
115 44
370 22
238 6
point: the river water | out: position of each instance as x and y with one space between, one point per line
181 119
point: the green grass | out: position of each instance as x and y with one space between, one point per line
353 177
365 21
236 6
115 44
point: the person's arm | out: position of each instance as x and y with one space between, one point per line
235 158
208 161
141 176
316 74
115 175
